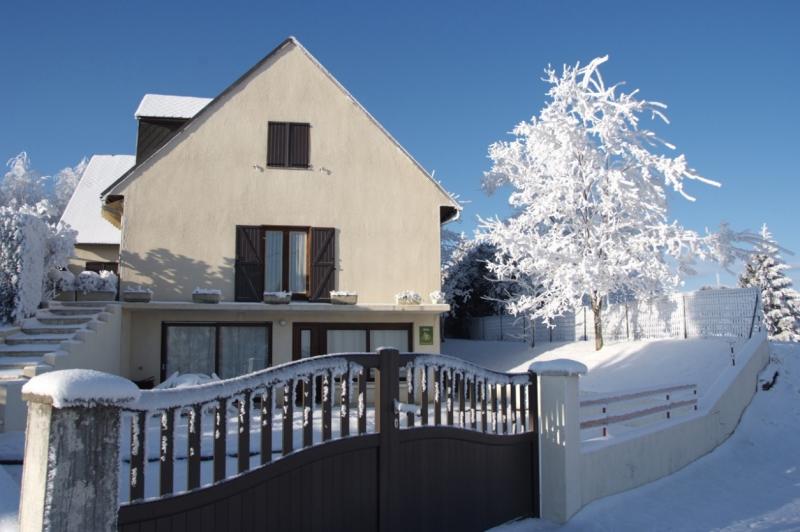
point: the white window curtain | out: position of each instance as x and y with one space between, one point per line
344 341
297 261
190 350
273 274
242 350
389 338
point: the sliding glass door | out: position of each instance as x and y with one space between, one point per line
226 349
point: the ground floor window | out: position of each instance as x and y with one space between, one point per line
227 349
313 339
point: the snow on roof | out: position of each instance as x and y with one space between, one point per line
83 210
167 106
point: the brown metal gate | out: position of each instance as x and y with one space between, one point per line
474 470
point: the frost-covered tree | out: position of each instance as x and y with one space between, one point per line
23 185
64 183
470 288
590 202
30 249
766 271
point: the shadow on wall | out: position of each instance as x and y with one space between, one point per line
174 277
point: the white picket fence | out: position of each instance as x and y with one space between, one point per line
721 312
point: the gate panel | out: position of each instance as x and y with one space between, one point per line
451 479
332 486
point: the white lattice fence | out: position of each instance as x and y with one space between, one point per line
728 312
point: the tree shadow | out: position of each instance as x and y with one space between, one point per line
174 277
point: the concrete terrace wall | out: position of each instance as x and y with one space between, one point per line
609 467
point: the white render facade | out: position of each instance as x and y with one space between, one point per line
282 183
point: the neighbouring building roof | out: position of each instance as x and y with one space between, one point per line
168 106
83 212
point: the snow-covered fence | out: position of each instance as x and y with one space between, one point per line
635 408
723 312
301 425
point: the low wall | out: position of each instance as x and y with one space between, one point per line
639 457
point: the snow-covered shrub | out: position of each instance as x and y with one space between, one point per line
206 292
408 297
137 289
437 297
88 281
30 248
59 281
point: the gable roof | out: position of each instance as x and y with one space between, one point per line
114 188
83 210
169 106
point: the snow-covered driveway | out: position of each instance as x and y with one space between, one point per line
751 482
617 367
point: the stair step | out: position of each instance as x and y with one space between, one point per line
20 362
78 304
41 329
22 338
75 311
48 318
11 374
22 350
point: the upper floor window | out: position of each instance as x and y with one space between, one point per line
300 260
288 145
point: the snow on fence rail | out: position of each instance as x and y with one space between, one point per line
177 440
636 407
722 312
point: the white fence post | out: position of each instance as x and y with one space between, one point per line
70 477
559 437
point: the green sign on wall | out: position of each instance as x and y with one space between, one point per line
426 335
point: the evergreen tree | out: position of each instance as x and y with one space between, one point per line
781 303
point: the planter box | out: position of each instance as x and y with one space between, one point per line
276 299
137 297
349 299
69 295
96 296
206 298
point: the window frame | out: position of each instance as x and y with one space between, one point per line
285 252
287 147
319 336
217 325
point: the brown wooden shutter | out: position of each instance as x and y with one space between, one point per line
298 145
278 144
249 265
323 263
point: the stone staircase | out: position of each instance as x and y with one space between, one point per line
37 345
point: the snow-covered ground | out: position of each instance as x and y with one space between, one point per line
617 367
750 482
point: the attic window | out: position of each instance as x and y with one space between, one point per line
288 145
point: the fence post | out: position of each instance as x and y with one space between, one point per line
70 477
387 423
685 329
559 437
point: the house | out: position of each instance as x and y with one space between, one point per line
97 240
283 182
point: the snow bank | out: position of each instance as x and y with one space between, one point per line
73 387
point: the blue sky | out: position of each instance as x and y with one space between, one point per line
445 78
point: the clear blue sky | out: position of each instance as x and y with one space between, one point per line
445 78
